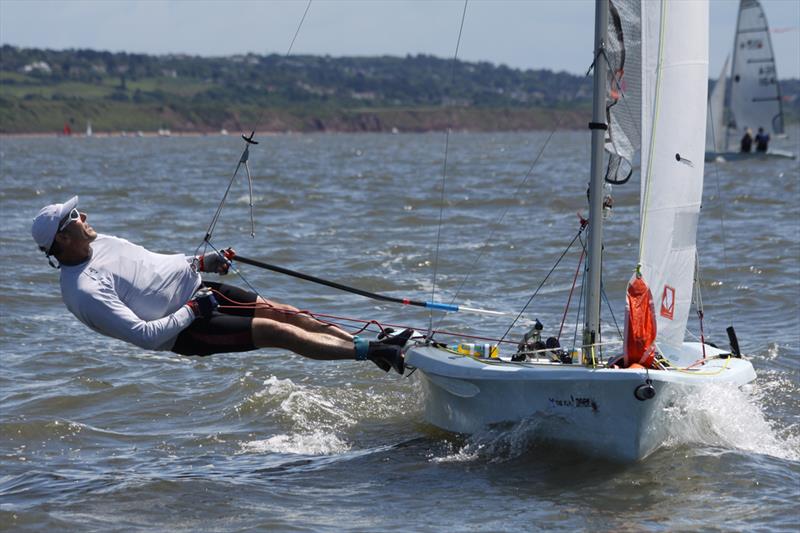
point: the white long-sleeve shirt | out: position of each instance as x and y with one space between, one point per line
130 293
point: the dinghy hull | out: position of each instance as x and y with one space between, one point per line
746 156
594 411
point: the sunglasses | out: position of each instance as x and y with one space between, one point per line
69 219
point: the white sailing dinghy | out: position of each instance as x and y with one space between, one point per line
588 404
755 92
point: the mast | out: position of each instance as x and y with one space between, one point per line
591 328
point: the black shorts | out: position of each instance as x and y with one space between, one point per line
229 329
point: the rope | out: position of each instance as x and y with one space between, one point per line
569 299
687 370
236 271
333 318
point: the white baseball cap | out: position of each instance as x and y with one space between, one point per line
45 224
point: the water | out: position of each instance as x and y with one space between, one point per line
98 435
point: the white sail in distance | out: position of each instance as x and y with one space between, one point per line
755 93
716 133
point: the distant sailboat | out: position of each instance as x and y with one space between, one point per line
755 93
88 128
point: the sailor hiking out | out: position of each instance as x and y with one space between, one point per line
160 301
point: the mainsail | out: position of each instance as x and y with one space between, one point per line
674 90
623 88
755 92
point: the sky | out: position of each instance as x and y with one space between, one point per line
552 34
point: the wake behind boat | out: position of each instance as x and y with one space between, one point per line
650 92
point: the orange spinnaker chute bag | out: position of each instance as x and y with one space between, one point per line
640 324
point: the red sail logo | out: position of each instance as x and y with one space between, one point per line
668 302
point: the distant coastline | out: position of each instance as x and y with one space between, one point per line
50 118
52 91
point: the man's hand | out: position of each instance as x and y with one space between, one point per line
213 262
203 303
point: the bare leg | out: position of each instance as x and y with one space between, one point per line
268 333
302 321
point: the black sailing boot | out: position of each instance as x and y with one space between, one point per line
386 353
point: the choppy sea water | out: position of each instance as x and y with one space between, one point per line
97 435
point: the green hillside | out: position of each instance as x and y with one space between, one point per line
41 90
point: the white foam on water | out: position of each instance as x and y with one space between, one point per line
719 416
313 421
731 418
496 445
313 443
309 409
245 199
463 454
306 406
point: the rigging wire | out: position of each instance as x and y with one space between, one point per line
721 204
610 310
444 172
214 219
571 290
575 238
698 293
288 53
297 31
699 302
495 226
243 160
580 303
